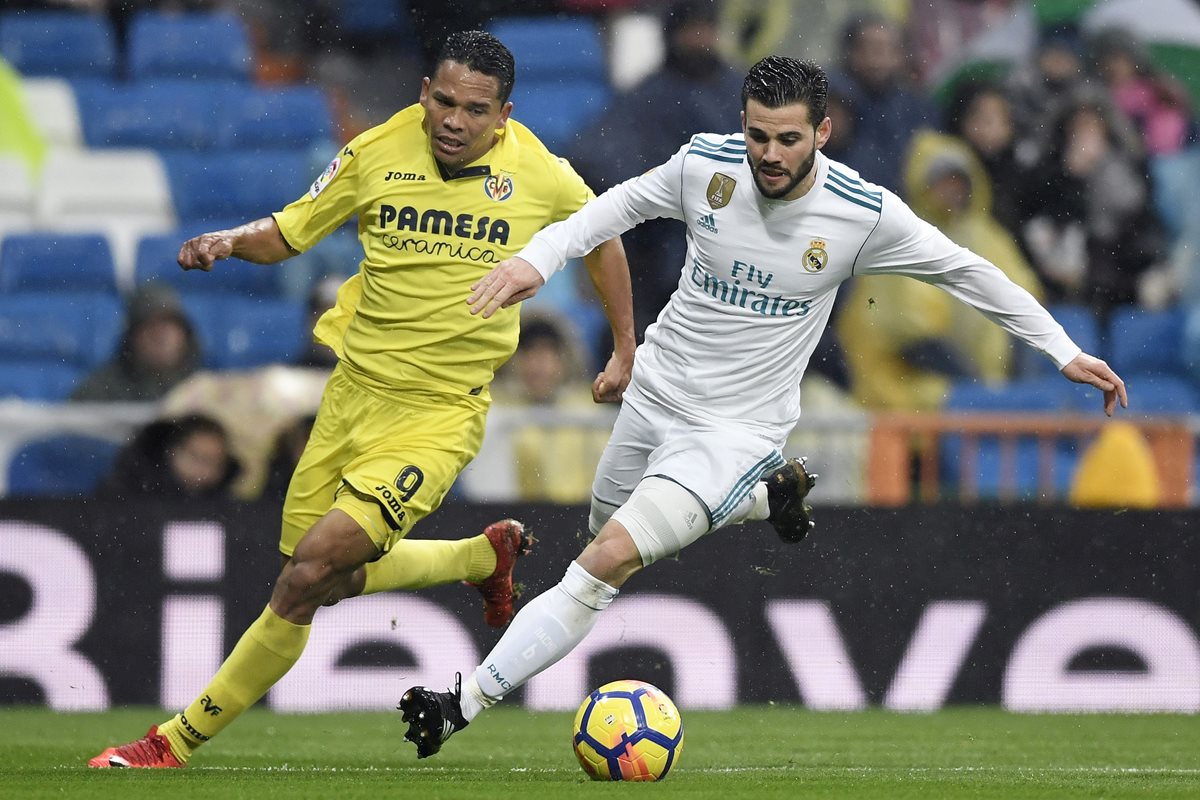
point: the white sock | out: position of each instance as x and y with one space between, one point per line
753 506
544 631
473 699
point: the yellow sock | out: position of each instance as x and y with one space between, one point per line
420 563
264 654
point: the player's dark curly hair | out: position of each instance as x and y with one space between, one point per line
484 53
777 81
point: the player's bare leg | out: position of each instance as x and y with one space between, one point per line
485 562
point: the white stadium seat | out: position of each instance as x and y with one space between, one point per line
16 196
121 193
52 106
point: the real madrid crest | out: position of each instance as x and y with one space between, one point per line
720 190
815 258
498 187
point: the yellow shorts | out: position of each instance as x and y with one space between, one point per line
387 462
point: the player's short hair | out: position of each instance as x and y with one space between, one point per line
481 52
777 81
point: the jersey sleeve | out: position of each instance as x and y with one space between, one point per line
573 193
653 194
330 201
904 244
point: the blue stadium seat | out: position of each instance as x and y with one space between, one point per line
238 333
1162 394
568 46
161 114
56 262
233 184
59 43
156 261
60 466
558 111
374 19
562 79
79 329
1049 394
196 45
1080 323
297 116
1143 342
38 381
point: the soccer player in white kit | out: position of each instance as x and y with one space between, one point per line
773 228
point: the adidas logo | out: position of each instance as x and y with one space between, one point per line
708 222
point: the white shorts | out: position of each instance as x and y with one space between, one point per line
718 464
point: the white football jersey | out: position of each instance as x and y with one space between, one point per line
761 275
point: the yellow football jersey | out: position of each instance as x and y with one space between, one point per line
402 323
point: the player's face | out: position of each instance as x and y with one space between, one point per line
462 113
782 146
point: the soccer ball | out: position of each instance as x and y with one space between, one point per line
628 731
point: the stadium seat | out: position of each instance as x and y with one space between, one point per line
38 381
121 193
52 106
1144 342
1162 394
297 116
49 262
240 185
166 114
156 261
569 46
60 43
373 19
1080 323
238 333
16 195
562 80
1048 394
196 45
558 111
79 329
60 466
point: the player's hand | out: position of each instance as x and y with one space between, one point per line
205 249
509 282
1091 370
609 386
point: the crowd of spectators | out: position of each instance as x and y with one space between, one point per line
1045 166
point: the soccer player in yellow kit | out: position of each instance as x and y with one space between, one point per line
444 190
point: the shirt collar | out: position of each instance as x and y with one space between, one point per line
501 158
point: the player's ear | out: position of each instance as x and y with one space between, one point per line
505 111
424 91
743 113
823 131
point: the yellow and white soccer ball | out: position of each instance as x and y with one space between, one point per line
628 731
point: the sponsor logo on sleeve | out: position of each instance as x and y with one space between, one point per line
328 175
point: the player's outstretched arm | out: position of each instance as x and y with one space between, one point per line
1091 370
511 281
259 242
609 271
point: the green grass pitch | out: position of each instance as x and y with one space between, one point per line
753 752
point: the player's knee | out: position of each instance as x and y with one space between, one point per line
662 518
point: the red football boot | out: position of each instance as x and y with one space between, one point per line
509 540
152 751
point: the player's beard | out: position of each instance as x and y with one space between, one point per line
796 177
